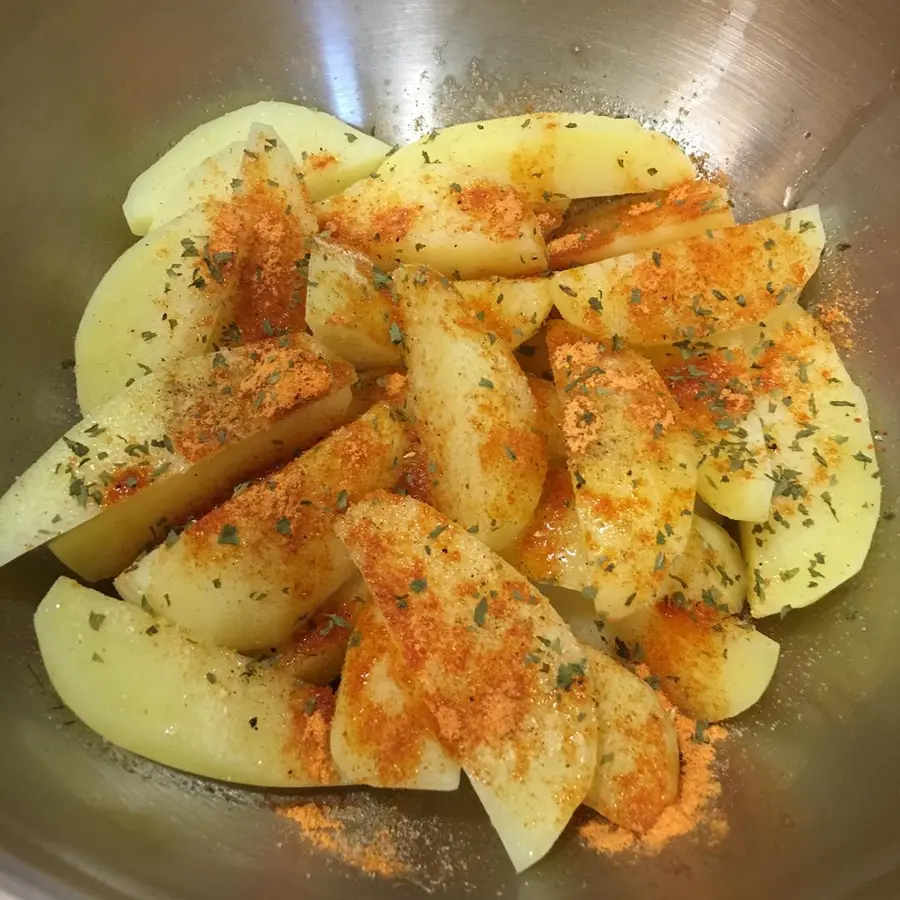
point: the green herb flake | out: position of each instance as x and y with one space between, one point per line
283 526
486 383
95 620
417 585
569 673
229 535
343 500
480 612
395 333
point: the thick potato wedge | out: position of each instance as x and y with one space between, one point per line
638 765
382 733
246 572
155 305
549 411
711 665
143 684
171 443
713 383
633 466
710 570
548 154
827 490
631 224
351 306
450 217
331 154
551 548
315 652
501 675
692 288
223 274
473 411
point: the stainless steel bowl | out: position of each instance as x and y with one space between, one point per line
796 98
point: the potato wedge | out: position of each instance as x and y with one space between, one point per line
452 218
692 288
633 223
713 383
551 548
638 763
633 466
332 155
155 305
382 733
711 665
710 570
473 411
171 443
499 672
315 652
243 575
223 274
547 154
827 490
549 411
351 306
142 684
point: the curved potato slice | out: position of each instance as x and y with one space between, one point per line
695 287
142 684
501 675
351 306
245 573
546 154
150 457
473 411
332 155
315 652
634 223
382 732
154 305
223 274
549 411
633 467
827 492
551 548
638 763
450 217
713 384
710 570
711 665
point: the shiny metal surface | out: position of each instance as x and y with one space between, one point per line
796 98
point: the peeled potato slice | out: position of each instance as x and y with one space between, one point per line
222 274
638 765
631 224
549 411
351 306
246 572
315 652
142 684
827 490
551 548
501 675
382 733
549 154
711 665
633 467
710 569
713 382
121 479
695 287
452 218
473 411
331 154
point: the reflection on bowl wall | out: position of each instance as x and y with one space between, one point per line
796 99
